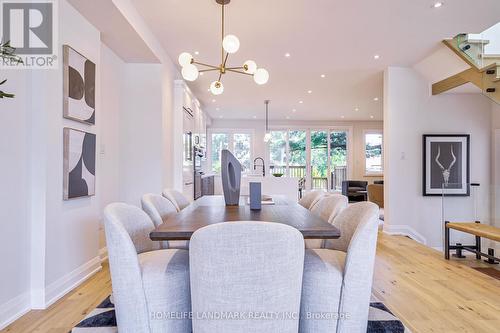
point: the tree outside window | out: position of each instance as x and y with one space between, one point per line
373 153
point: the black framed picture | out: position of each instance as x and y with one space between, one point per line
446 161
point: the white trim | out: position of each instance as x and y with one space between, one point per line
404 230
14 309
373 131
103 254
70 281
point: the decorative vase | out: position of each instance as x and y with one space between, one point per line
231 178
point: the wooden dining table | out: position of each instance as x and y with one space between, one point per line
212 209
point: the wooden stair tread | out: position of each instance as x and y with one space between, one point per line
478 229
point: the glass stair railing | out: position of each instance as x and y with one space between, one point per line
473 49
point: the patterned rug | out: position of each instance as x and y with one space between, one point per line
102 320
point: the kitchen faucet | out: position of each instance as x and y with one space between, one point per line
263 165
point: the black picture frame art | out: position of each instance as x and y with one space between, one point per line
446 164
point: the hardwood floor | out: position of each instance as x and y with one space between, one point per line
428 293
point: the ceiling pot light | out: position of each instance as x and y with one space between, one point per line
309 91
261 76
437 4
323 76
301 102
287 55
356 109
190 72
216 88
185 59
376 57
376 99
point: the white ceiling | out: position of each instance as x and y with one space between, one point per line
332 37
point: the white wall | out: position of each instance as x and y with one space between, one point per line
409 112
14 196
260 149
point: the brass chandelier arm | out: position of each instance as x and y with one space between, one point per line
206 65
209 70
232 68
237 71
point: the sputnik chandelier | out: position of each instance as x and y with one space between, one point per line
230 44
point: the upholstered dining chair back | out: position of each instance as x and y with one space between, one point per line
157 207
246 268
176 198
311 198
358 226
127 232
329 206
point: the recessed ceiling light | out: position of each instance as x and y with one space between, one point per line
196 52
213 101
342 117
356 109
254 117
301 102
437 4
323 75
287 55
287 117
294 110
376 57
309 91
376 99
371 117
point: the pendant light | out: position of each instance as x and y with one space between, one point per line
267 136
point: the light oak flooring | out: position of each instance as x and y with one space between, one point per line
428 293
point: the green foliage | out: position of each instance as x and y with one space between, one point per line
7 52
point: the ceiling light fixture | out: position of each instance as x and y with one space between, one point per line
287 55
301 102
371 117
323 76
376 57
356 109
438 4
294 110
376 99
267 136
230 45
309 91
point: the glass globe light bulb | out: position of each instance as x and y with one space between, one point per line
216 88
261 76
190 72
231 44
250 66
185 59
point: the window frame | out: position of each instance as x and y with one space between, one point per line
373 174
230 132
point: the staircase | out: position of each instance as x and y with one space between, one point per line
484 71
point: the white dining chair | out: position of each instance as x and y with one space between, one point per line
159 210
147 283
338 281
327 208
176 198
246 268
311 198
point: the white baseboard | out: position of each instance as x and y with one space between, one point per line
103 254
70 281
404 230
13 309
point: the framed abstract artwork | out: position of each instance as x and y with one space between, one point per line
79 87
446 160
79 163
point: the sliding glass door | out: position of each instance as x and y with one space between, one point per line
320 156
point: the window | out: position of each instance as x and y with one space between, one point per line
298 155
373 153
277 153
239 142
319 159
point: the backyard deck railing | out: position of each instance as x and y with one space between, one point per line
338 175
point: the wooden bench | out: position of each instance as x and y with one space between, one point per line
478 230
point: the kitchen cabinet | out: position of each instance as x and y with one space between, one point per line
207 185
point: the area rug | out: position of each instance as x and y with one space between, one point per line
102 320
493 272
